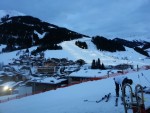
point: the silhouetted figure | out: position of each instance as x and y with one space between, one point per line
121 81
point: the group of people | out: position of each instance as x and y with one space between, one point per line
120 81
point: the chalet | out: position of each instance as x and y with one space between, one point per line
55 60
37 63
25 69
70 69
77 77
88 75
7 68
20 77
43 84
50 63
50 70
17 62
123 66
63 60
6 77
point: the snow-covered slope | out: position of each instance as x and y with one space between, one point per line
71 99
129 56
73 52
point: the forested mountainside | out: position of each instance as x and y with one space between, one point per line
21 32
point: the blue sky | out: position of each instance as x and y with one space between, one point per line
88 17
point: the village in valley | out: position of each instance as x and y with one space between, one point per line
29 74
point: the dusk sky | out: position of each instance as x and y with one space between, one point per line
90 17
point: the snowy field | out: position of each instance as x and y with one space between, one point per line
71 99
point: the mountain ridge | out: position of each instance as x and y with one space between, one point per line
23 31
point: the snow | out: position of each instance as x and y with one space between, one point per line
1 47
72 52
106 57
71 99
40 35
10 84
58 54
7 58
90 73
49 80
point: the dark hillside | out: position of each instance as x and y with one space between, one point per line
24 31
104 44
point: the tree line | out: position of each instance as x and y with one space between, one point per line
96 64
104 44
82 45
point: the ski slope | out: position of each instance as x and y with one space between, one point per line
73 52
107 58
87 54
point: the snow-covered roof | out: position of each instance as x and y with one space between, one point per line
2 73
9 84
47 80
71 68
91 73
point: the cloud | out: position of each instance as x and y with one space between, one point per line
86 16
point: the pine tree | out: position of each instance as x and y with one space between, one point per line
99 63
93 64
102 66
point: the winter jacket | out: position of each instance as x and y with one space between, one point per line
121 80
